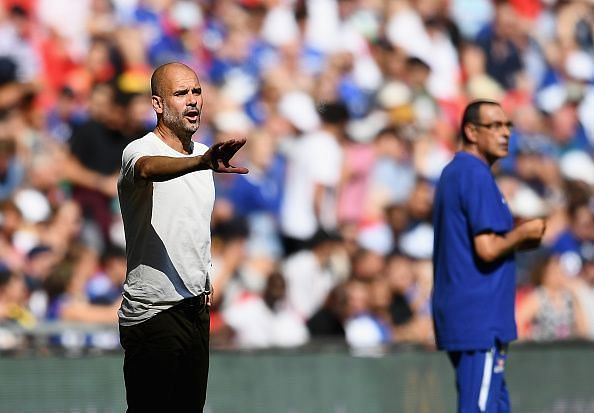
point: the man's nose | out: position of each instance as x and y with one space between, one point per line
192 100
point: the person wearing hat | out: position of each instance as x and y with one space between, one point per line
473 259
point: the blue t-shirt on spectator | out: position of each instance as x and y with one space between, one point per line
473 301
258 192
566 242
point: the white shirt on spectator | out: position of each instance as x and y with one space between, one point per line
405 29
279 26
315 158
257 326
308 283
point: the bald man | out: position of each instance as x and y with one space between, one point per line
166 194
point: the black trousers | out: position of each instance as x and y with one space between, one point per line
166 360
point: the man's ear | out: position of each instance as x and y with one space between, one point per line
470 132
157 103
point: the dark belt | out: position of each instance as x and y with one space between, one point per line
198 301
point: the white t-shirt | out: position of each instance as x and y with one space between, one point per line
308 283
257 326
315 158
167 227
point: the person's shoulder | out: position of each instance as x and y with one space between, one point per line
467 166
453 168
462 171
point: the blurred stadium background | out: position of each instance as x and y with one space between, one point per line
322 301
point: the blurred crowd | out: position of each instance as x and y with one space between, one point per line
351 109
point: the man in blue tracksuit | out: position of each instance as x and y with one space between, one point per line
473 258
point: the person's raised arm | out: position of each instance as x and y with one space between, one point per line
74 171
491 247
164 168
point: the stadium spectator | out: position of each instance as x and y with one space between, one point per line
267 320
13 299
105 286
328 321
309 275
575 241
409 308
364 329
13 309
403 70
229 252
66 293
552 311
392 175
257 196
500 44
95 154
313 176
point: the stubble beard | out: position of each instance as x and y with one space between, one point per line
178 126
